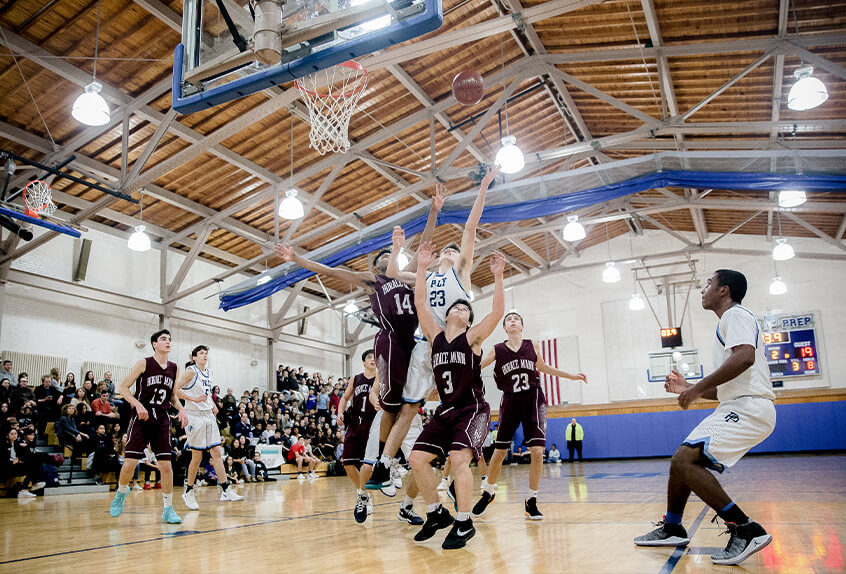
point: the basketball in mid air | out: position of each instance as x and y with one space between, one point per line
468 87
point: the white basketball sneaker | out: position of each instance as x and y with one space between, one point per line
396 476
444 484
229 495
190 500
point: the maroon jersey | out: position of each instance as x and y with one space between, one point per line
361 409
516 372
155 385
458 372
392 302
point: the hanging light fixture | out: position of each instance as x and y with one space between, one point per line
139 240
808 92
778 287
350 307
510 157
610 274
782 250
90 108
573 231
791 198
291 207
636 303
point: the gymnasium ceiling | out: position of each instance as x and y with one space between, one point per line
599 68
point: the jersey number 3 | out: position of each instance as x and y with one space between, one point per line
448 382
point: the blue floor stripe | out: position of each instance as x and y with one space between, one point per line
679 552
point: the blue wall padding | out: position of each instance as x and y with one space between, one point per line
799 427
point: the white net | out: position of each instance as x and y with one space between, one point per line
331 96
39 198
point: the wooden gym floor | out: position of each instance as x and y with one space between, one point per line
593 510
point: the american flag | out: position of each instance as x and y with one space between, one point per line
550 384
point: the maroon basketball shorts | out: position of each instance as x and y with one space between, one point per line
528 408
392 358
456 429
155 431
355 442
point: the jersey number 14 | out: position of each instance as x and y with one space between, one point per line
403 304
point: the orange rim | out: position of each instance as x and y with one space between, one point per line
353 65
29 211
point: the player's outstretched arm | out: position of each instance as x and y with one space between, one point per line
431 221
393 270
488 359
481 331
125 388
342 404
468 238
425 257
544 368
357 278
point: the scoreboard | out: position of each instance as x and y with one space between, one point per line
790 345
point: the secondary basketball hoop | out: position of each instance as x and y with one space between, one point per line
38 198
332 96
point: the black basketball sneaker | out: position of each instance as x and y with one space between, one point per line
459 535
441 518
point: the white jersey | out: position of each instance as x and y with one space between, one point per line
738 326
443 290
199 387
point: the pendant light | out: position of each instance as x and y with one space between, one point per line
90 108
782 250
610 274
509 157
573 231
777 287
139 240
791 198
291 207
350 307
808 92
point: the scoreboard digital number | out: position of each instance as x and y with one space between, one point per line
791 350
671 337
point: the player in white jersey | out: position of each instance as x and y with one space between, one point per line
202 430
745 417
445 286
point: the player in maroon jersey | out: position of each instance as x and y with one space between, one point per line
155 380
460 423
517 362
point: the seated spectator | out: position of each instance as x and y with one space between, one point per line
85 419
243 427
7 375
522 456
26 418
231 471
70 380
90 391
68 393
55 376
109 384
105 456
47 399
554 455
297 454
22 394
5 390
28 449
268 433
102 409
13 464
88 378
69 435
216 394
261 469
79 397
241 455
150 466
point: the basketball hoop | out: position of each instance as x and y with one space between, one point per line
331 96
38 199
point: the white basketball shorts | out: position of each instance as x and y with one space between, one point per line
421 378
202 431
733 429
371 452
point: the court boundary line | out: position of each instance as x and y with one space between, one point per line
674 558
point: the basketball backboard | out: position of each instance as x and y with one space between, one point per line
233 48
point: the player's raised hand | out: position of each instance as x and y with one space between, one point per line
497 264
284 251
675 383
425 254
398 237
489 177
440 197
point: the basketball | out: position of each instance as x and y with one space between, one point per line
468 87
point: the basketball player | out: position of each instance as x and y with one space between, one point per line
202 431
155 382
517 362
745 417
448 284
460 423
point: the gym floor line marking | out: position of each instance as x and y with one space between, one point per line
674 558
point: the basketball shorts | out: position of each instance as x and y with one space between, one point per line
202 431
732 429
527 408
392 363
355 443
421 378
371 452
456 429
154 431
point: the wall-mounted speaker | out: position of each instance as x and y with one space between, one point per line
82 260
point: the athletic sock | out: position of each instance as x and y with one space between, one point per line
732 513
224 485
433 507
386 461
189 488
408 502
123 488
167 499
533 493
673 517
359 492
463 516
490 488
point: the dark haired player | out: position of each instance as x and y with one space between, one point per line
203 434
517 362
460 423
744 418
155 383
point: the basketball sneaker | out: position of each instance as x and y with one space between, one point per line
441 518
452 496
229 495
459 535
443 484
396 476
410 516
360 510
116 508
744 541
190 500
665 535
531 507
480 507
369 506
381 477
300 476
169 515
